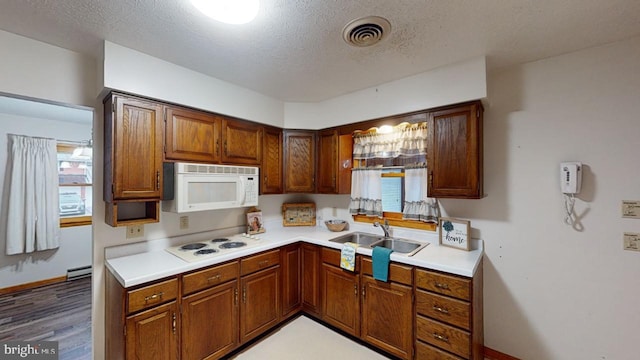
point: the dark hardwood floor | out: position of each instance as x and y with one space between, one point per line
59 312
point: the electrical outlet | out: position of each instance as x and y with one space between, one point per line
184 222
135 231
631 241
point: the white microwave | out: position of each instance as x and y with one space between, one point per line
201 187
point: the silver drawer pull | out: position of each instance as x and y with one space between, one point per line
215 278
153 297
442 286
263 263
439 309
440 337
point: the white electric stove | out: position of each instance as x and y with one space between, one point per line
206 249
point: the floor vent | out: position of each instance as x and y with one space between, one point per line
78 273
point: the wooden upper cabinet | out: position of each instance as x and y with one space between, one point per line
241 142
272 161
454 151
327 162
191 135
133 149
299 161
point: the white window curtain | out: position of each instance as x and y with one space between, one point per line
366 192
417 206
33 220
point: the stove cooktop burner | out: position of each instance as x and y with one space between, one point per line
233 244
219 240
194 246
205 251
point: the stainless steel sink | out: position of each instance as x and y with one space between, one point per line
403 246
362 239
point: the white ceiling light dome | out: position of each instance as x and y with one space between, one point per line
229 11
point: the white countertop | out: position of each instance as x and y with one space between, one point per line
146 266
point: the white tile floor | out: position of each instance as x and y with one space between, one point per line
304 338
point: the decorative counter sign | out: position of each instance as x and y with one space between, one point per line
455 233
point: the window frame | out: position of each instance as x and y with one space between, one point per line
74 220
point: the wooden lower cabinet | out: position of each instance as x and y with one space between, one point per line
311 280
260 308
290 264
341 300
387 319
417 314
152 334
210 322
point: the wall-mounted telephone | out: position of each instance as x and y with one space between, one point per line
570 177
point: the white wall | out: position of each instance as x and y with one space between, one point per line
446 85
38 70
75 243
132 71
551 291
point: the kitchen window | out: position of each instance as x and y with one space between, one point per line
75 169
390 176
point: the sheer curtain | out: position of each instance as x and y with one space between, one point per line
33 220
366 192
417 206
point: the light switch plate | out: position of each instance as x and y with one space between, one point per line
632 241
631 209
135 231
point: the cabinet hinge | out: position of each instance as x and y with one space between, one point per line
477 114
113 106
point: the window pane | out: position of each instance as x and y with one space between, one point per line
392 194
75 201
74 169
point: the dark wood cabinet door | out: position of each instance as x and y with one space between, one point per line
455 152
152 334
345 163
299 164
327 182
191 135
311 279
387 320
210 322
260 308
272 161
290 264
340 299
133 149
241 142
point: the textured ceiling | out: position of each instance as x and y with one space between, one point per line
294 50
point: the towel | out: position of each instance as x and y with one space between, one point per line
380 259
348 256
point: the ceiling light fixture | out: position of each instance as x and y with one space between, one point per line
229 11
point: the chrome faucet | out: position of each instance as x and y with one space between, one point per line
385 227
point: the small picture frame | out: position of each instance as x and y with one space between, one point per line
254 222
455 233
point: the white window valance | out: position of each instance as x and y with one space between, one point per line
403 140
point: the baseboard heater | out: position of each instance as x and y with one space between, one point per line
78 273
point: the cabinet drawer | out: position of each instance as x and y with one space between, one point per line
397 273
444 336
428 352
209 277
151 295
452 311
332 257
444 284
259 262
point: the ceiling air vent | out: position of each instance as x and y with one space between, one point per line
366 31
